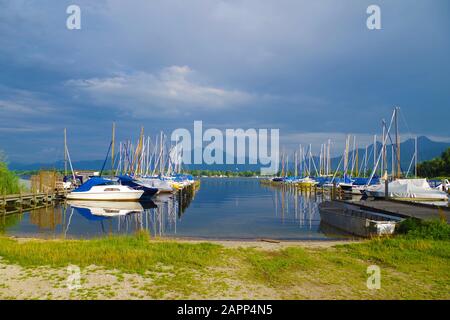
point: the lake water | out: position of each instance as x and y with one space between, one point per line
222 208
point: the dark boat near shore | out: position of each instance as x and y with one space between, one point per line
356 221
129 181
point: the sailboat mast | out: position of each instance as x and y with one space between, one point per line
382 151
397 141
161 154
415 157
329 157
320 160
112 147
287 165
353 155
296 172
365 162
347 142
301 159
374 150
309 161
65 152
393 163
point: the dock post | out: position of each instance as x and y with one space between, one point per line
333 191
386 189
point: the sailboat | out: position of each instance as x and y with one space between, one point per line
408 189
401 188
149 191
307 181
97 188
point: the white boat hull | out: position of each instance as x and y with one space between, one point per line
107 193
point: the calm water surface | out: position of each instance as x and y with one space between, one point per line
222 208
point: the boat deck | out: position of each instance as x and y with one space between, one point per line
403 209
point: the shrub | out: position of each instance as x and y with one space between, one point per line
9 182
415 228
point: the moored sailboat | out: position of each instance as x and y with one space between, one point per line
97 188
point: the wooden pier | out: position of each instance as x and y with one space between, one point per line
334 191
14 202
403 209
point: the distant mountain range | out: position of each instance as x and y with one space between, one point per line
427 149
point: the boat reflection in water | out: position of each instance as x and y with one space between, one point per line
223 208
106 208
122 217
302 207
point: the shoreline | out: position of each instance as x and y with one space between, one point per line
227 243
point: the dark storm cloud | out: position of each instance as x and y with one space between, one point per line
310 68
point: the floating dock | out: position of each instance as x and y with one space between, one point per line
403 209
354 220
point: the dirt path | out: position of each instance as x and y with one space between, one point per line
270 244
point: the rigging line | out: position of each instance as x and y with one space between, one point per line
337 169
394 145
104 163
362 162
381 153
406 124
410 165
314 163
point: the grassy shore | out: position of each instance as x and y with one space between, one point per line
412 267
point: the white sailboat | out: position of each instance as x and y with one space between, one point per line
102 189
408 189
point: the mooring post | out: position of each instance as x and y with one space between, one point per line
333 191
386 189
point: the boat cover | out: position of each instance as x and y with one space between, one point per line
92 182
137 185
412 188
360 181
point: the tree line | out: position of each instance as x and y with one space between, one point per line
437 167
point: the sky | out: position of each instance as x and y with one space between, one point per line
309 68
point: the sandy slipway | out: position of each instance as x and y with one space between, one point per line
243 270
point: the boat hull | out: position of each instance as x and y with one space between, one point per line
355 221
110 196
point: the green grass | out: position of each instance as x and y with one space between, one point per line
135 254
413 228
412 267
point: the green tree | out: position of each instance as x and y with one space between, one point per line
9 182
437 167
